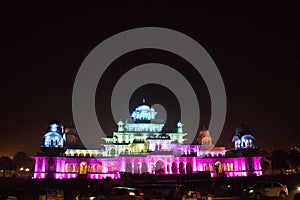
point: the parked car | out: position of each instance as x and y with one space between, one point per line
191 195
52 194
296 196
90 195
267 189
124 193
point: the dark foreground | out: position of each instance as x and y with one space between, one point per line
219 188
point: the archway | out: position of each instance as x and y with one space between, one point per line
99 155
128 168
144 168
159 167
181 168
174 168
83 167
205 167
99 168
71 168
231 167
189 168
112 152
126 151
67 167
218 167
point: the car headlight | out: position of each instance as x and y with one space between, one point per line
251 191
92 198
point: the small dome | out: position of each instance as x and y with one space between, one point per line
143 113
54 136
243 138
248 137
235 138
55 126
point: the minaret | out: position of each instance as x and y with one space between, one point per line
179 127
120 126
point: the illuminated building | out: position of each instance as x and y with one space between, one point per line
243 139
139 146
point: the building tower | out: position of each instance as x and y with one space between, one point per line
243 138
71 137
54 139
205 139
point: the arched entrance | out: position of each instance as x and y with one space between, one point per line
218 167
67 167
189 168
159 167
126 151
128 168
112 152
181 168
174 168
144 168
83 168
99 167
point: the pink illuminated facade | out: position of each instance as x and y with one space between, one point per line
140 147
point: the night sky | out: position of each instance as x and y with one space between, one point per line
256 48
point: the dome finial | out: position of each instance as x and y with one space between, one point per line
144 100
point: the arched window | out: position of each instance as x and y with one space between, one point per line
205 167
99 155
174 168
159 167
144 167
112 152
128 167
218 167
224 167
181 168
71 168
67 167
189 168
83 168
231 168
209 167
99 168
126 151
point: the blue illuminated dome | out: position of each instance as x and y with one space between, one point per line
243 138
143 113
54 136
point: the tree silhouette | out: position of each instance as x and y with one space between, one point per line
23 160
279 160
294 158
6 164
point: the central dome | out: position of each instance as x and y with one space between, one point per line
143 113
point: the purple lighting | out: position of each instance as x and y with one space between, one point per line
138 148
99 168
